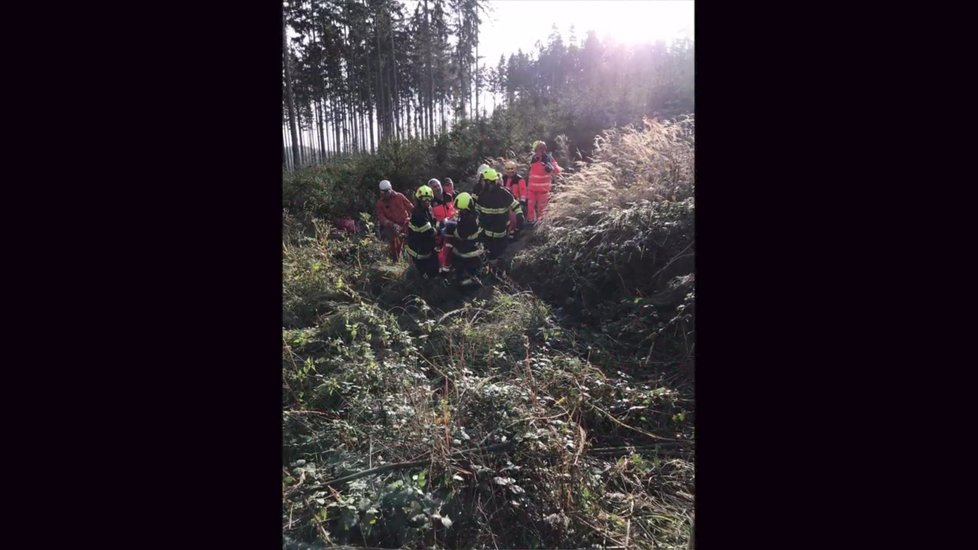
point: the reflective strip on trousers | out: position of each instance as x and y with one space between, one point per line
471 237
473 254
420 228
494 234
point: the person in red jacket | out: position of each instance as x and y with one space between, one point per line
543 167
443 209
516 185
393 213
449 186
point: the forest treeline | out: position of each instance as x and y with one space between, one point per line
359 74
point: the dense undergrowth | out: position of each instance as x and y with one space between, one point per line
538 411
347 185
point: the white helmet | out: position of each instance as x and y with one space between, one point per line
385 185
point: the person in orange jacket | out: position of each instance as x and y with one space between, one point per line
516 185
543 167
393 213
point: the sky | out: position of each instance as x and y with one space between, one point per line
514 24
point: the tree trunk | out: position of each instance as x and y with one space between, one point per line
302 149
363 128
326 155
407 119
353 127
477 89
327 128
443 115
288 91
397 96
285 155
319 132
381 108
370 115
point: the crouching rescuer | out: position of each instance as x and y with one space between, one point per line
464 241
494 206
421 234
393 212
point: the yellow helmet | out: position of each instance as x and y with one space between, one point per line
424 192
463 201
490 175
510 165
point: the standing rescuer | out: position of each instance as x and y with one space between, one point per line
542 169
421 235
464 240
480 182
393 213
516 185
494 206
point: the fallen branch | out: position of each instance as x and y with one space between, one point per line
622 424
671 261
449 314
415 463
317 413
639 448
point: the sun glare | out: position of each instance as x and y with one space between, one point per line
633 22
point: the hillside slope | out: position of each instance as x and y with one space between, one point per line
553 407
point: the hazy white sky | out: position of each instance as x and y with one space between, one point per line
514 24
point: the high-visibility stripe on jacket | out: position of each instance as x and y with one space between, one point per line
465 238
421 234
486 210
539 179
494 206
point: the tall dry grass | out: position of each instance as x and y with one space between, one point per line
655 163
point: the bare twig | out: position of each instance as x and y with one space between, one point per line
628 525
302 478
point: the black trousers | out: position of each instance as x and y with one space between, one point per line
427 266
466 267
496 245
